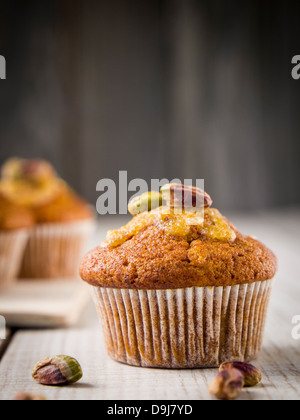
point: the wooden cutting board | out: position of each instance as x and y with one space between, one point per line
44 303
4 342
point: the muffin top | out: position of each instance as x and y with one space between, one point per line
66 207
166 249
35 185
13 217
29 182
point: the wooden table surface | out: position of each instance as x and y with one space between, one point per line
106 379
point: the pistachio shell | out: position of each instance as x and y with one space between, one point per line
227 385
59 370
185 196
252 375
25 396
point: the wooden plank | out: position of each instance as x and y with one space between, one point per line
106 379
43 303
4 342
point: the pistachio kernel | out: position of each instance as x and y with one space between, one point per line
59 370
227 385
145 202
252 375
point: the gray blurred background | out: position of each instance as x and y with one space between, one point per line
160 88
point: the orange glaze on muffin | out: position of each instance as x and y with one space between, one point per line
29 182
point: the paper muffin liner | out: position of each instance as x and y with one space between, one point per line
12 245
198 327
55 250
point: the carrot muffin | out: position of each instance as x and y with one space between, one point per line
181 290
63 221
14 224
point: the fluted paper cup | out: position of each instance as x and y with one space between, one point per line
55 250
12 245
184 328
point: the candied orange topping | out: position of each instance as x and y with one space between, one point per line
210 223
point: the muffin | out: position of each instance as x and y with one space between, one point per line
29 182
63 221
14 224
179 289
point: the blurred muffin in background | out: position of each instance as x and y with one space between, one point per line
63 221
29 182
14 224
66 207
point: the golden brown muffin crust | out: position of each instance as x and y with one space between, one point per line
29 182
67 207
13 217
152 259
35 185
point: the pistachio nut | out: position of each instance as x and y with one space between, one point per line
59 370
252 375
185 197
227 385
145 202
25 396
